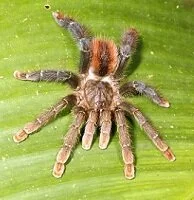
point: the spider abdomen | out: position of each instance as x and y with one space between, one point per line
104 57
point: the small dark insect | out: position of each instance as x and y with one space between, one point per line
47 7
97 97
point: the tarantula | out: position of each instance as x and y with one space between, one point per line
97 97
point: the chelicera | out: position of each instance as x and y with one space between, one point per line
97 98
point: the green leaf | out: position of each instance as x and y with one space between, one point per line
31 40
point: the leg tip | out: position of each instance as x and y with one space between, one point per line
87 141
58 15
165 104
168 154
55 14
16 74
86 146
15 139
20 136
19 75
104 141
58 170
103 146
129 171
59 18
173 159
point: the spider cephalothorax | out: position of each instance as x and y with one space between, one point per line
97 97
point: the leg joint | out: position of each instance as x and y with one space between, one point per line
38 120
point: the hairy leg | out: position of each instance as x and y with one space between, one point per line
50 76
89 130
80 34
43 119
128 46
125 143
138 87
70 141
149 130
105 128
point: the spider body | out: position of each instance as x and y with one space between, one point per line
98 98
98 84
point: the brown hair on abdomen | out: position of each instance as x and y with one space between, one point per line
104 57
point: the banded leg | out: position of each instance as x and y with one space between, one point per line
70 141
50 76
89 130
128 46
106 124
43 119
138 87
149 130
80 34
125 143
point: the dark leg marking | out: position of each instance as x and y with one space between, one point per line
50 76
81 35
138 87
128 46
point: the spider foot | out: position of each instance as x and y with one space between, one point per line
62 158
58 169
29 128
168 154
87 141
104 140
129 171
59 18
19 75
164 103
58 15
20 136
